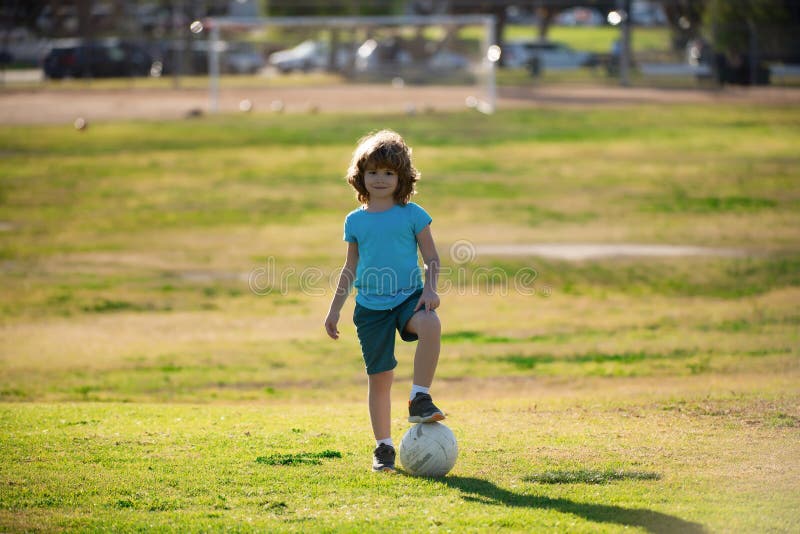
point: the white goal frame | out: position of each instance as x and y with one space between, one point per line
215 24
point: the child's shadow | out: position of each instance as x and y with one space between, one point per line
483 491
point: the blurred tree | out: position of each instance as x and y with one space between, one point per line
766 27
301 8
55 18
21 13
747 34
545 10
70 18
85 27
685 18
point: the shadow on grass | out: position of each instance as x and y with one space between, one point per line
483 491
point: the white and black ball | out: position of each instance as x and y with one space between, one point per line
429 450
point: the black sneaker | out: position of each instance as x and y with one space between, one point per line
383 458
423 410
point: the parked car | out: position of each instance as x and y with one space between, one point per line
234 57
23 47
172 57
307 56
580 16
546 55
97 60
445 60
242 58
648 13
374 56
394 55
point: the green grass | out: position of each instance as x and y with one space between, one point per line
590 476
145 385
185 467
597 39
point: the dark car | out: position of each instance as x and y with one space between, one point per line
97 60
174 57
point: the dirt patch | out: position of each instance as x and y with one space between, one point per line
621 96
591 251
59 106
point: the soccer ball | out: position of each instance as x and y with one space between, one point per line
428 450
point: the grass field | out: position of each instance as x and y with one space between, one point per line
146 386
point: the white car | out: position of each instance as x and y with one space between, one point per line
391 55
647 13
373 56
549 55
444 60
308 55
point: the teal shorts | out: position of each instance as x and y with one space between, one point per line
376 332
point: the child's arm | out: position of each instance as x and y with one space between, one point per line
429 299
342 290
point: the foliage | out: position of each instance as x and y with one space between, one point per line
737 27
319 8
685 19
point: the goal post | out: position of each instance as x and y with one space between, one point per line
446 50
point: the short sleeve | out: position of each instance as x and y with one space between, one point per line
348 232
420 218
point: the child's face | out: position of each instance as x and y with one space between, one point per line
380 182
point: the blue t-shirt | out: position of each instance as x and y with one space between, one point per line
388 269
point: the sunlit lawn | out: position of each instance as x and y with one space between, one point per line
163 363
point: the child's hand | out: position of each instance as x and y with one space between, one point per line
428 300
330 324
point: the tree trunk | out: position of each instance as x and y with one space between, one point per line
545 16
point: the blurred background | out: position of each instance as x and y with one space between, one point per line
658 43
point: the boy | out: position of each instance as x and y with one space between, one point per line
383 235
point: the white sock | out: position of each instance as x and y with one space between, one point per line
417 389
387 441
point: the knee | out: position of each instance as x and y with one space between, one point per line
429 326
382 380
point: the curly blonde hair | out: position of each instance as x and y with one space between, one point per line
383 149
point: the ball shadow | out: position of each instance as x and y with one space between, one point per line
483 491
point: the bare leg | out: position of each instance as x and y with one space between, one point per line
427 326
380 404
